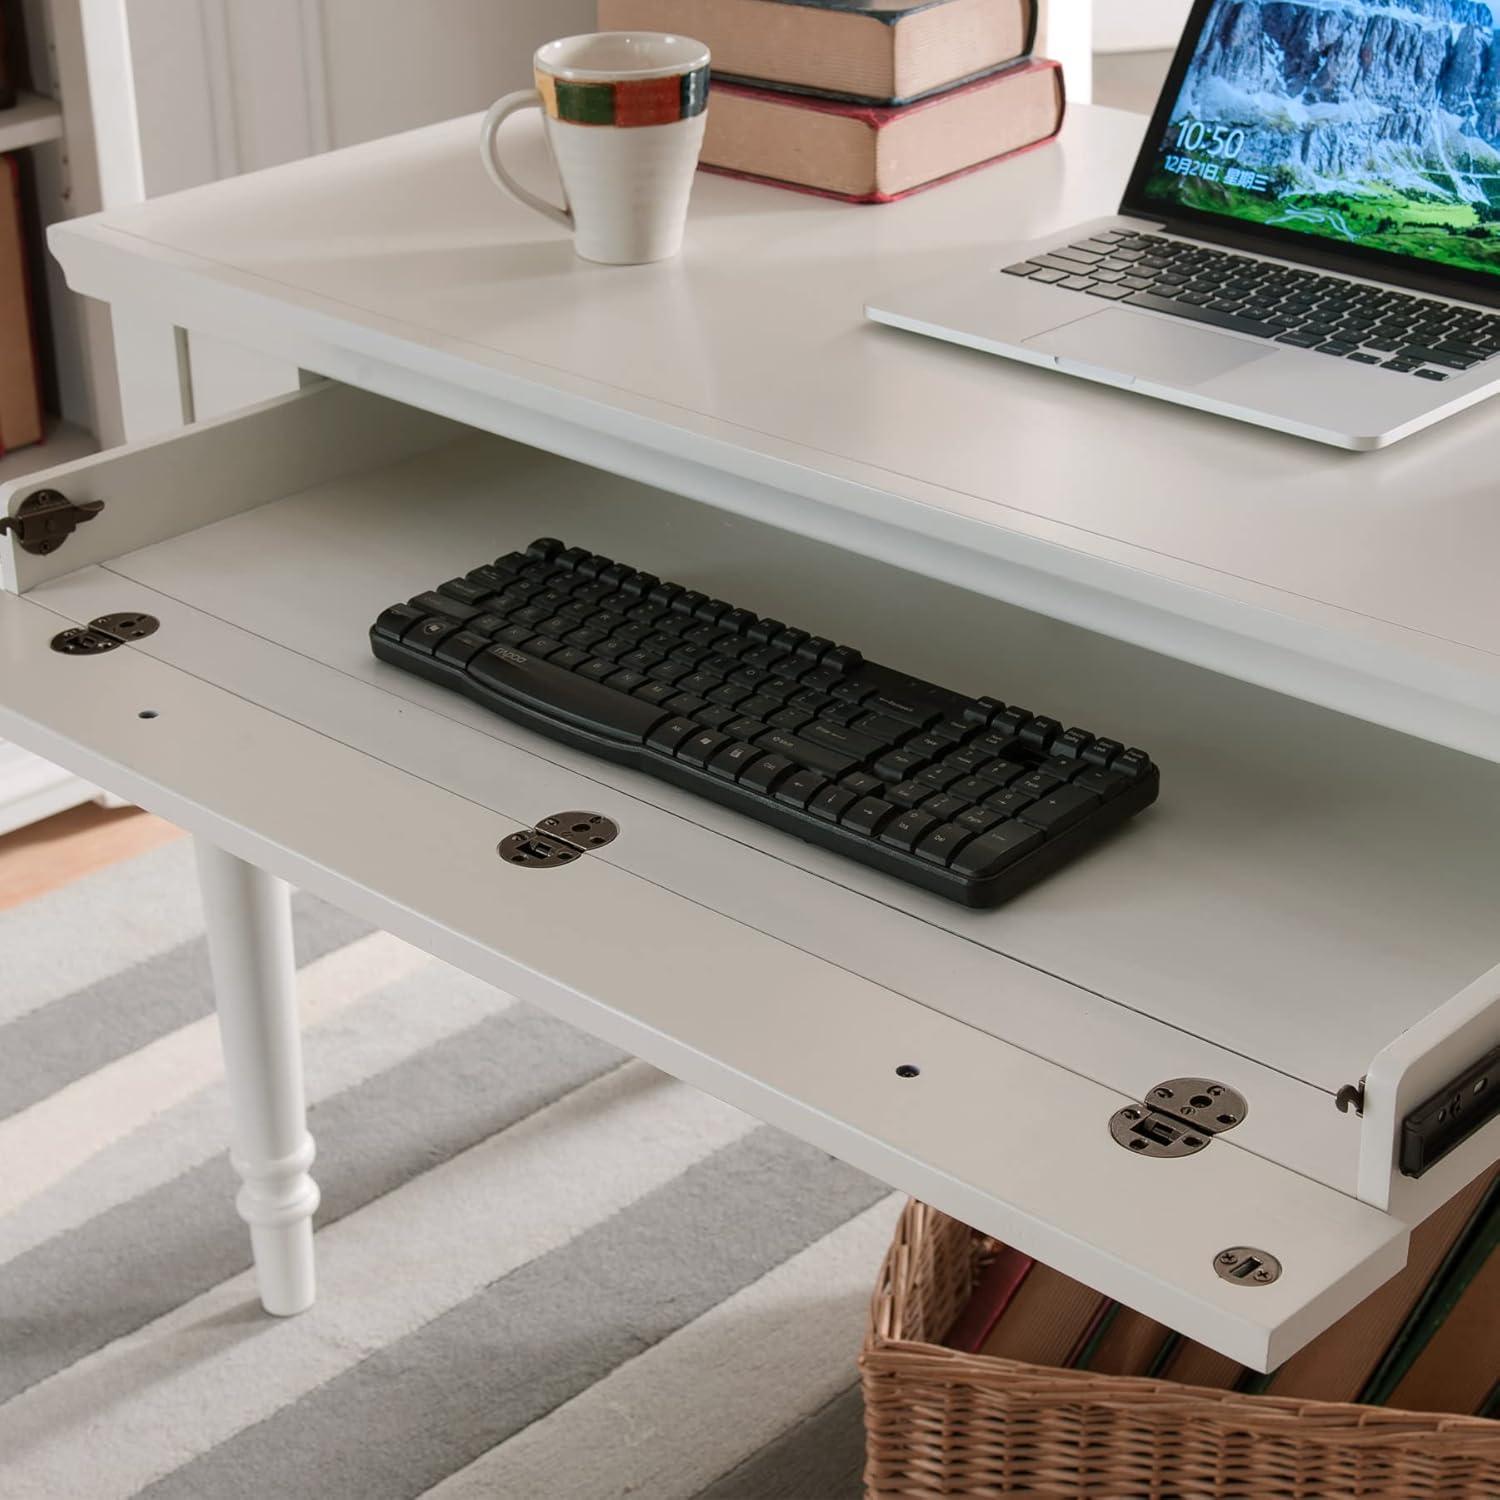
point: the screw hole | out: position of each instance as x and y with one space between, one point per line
1481 1085
1192 1140
582 827
597 840
1200 1101
147 713
1162 1093
1226 1119
908 1070
1138 1145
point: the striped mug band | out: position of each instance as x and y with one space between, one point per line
625 101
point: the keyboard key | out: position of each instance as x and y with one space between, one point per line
733 759
461 647
846 741
1061 809
1431 374
426 636
1076 283
396 620
1079 257
1365 359
441 604
763 774
862 784
992 852
1022 268
1110 293
1103 784
869 815
800 787
1001 772
971 788
944 842
909 793
944 807
898 764
907 829
700 748
818 757
670 733
978 819
1036 784
467 591
831 803
1008 803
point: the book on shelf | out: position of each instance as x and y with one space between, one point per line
1125 1342
20 388
872 51
870 154
1448 1355
1021 1309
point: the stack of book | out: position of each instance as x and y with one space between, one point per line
866 100
1428 1340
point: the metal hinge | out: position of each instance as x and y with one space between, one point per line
45 520
107 633
1178 1117
558 839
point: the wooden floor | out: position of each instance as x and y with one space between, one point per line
57 850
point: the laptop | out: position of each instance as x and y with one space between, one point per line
1310 239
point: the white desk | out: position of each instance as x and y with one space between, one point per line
1310 903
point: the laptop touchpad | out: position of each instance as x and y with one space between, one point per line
1148 348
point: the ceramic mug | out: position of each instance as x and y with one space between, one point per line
623 113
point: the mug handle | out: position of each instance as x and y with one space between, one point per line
489 132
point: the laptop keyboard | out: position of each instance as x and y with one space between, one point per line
1371 325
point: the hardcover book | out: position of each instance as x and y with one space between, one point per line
874 51
874 155
1021 1309
20 393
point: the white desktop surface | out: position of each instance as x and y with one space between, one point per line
1363 581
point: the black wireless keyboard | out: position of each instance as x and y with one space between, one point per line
969 797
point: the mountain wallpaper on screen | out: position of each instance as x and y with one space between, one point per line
1374 121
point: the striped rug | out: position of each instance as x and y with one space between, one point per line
545 1269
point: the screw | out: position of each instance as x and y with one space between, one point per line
1228 1258
1215 1090
1131 1114
1162 1093
1263 1274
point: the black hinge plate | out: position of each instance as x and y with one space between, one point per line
1458 1109
45 520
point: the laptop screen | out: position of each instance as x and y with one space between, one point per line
1371 123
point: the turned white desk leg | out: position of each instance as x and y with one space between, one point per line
249 920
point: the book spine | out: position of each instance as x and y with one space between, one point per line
921 187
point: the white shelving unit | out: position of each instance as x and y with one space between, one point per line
31 122
57 128
1311 661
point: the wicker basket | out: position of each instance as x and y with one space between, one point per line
940 1422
